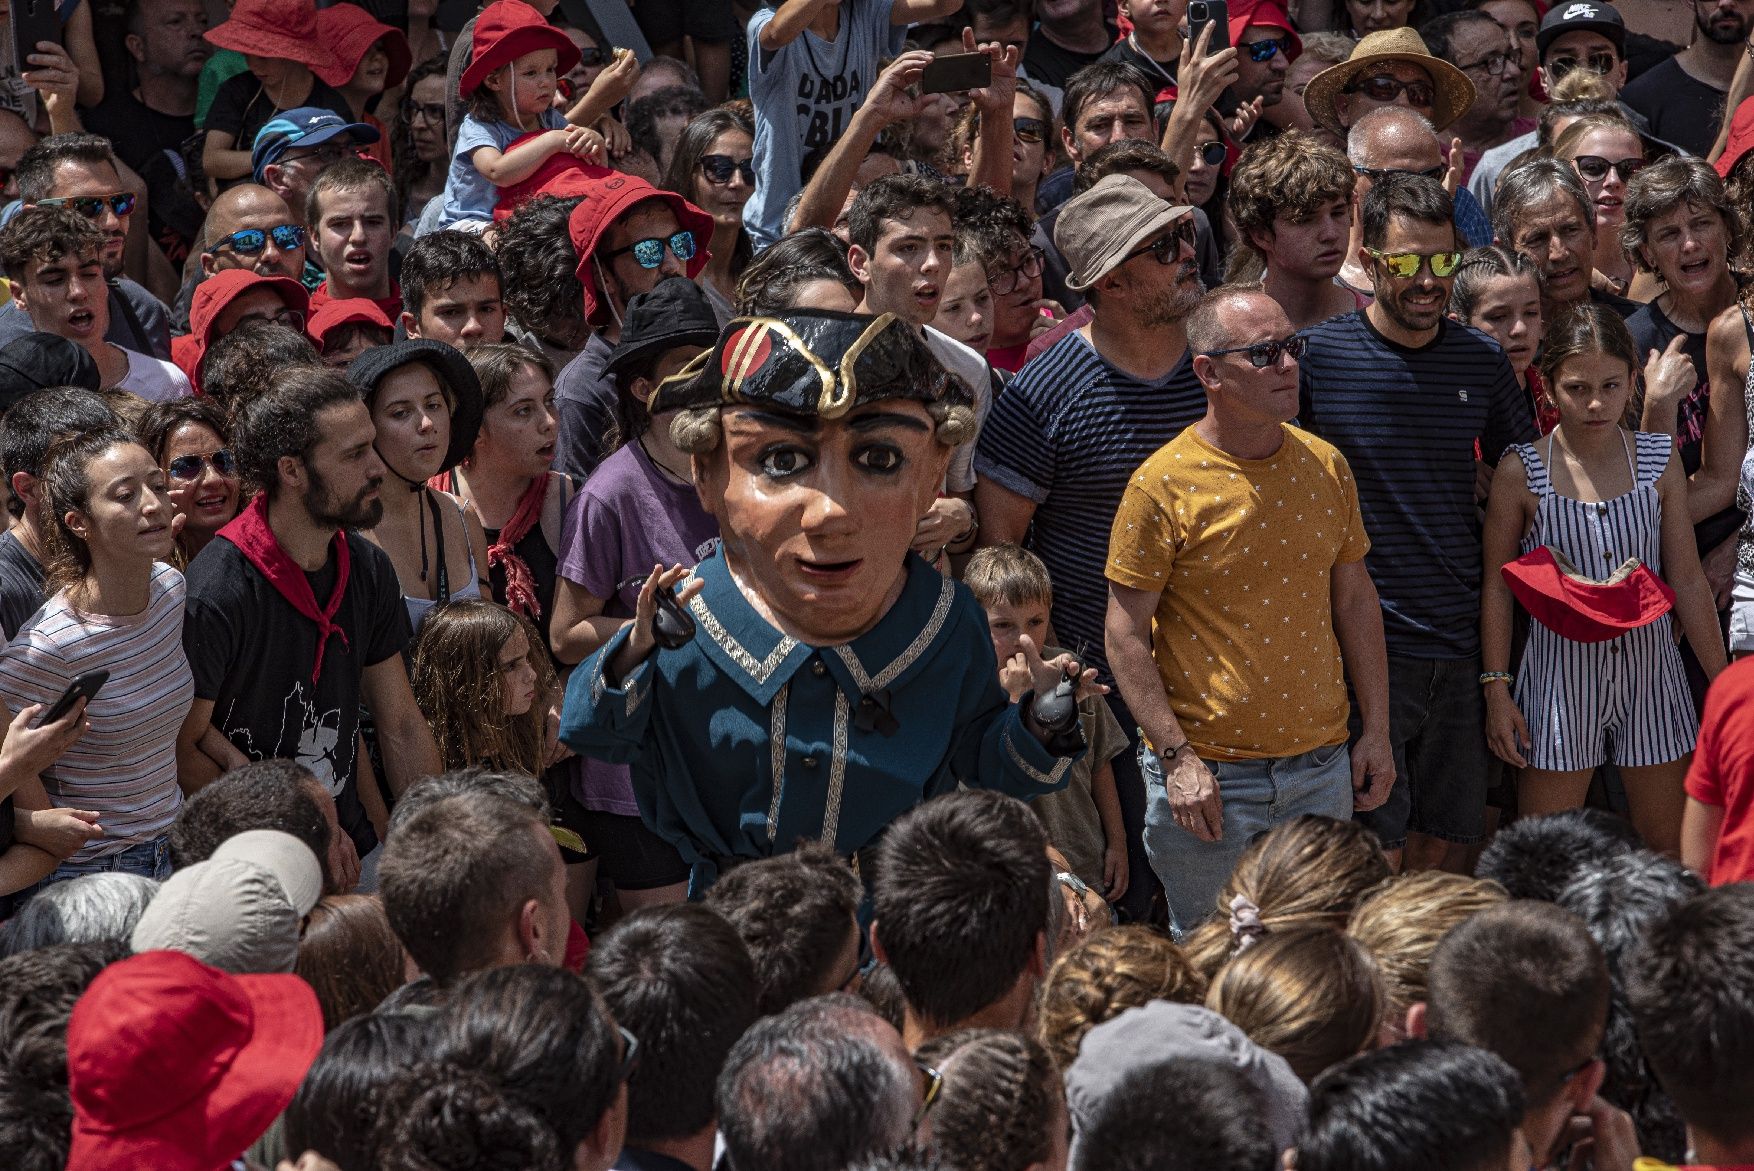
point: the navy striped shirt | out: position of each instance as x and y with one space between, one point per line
1068 433
1407 420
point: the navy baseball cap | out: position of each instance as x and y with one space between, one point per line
1570 16
304 126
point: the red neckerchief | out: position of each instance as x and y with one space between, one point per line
520 584
249 531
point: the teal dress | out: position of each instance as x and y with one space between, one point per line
746 741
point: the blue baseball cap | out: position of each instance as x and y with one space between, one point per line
304 126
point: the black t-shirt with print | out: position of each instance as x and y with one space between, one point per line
252 654
241 107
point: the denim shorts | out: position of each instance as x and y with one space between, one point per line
1257 795
1437 728
149 859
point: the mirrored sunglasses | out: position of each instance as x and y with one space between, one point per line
1405 265
1030 130
92 206
250 241
1595 168
188 467
720 168
1595 62
649 253
1385 88
1264 354
1266 50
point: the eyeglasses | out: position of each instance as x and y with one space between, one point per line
251 241
720 168
650 252
1386 88
629 1055
1266 50
929 1098
1030 130
325 155
1493 66
188 467
1595 168
1405 265
1376 174
1027 269
1212 153
291 318
430 112
1264 354
1596 62
92 206
1167 248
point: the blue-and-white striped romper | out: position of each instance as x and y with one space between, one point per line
1626 698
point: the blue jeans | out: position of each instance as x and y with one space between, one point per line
1257 795
150 859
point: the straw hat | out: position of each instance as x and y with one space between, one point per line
1455 93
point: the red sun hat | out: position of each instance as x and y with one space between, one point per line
211 297
1584 609
177 1066
507 30
286 29
605 201
1265 14
347 311
350 31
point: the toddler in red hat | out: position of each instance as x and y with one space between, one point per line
512 128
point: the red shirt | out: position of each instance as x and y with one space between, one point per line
391 305
1723 767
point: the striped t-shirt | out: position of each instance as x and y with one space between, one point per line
1406 420
125 767
1068 433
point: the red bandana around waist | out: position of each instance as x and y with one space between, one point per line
249 531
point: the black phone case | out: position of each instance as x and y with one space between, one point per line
1204 12
957 72
32 21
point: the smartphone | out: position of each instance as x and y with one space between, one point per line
1214 12
955 72
33 21
84 686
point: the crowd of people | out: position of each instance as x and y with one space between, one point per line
878 584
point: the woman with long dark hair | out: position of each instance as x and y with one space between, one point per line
422 150
189 439
713 168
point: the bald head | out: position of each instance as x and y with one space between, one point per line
250 206
15 139
1394 138
1221 318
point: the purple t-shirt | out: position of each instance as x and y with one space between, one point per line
628 517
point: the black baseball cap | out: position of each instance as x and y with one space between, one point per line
36 361
1571 16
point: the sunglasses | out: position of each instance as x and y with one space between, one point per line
1264 354
929 1097
1167 248
1030 130
251 241
1027 269
1595 168
429 112
92 206
649 253
1266 50
1405 265
188 467
1376 174
1212 153
720 168
595 55
1595 62
629 1055
1384 88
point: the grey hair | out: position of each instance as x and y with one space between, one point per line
93 908
1357 155
519 787
1533 182
696 431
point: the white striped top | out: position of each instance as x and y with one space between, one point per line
125 766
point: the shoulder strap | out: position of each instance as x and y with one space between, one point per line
1747 323
442 580
143 342
1534 467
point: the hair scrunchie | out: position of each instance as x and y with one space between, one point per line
1245 923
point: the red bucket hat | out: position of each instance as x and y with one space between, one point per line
507 30
605 201
1585 609
212 296
349 31
275 28
347 311
177 1066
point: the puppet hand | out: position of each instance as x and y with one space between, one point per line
1015 678
640 640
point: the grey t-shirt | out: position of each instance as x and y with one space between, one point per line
21 585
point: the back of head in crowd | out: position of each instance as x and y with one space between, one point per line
1400 924
93 908
1105 974
1001 1105
241 365
1431 1105
815 1088
961 908
797 914
36 423
520 787
1217 1126
474 881
1526 981
338 1102
1688 986
1534 857
679 979
805 270
265 794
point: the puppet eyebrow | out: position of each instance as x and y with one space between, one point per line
878 419
803 424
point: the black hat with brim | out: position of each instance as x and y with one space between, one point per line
811 362
369 370
675 313
36 361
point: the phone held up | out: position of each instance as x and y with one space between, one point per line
1209 12
956 72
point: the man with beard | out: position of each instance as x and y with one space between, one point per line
1062 442
295 619
1478 45
1258 737
1684 96
1406 394
79 171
